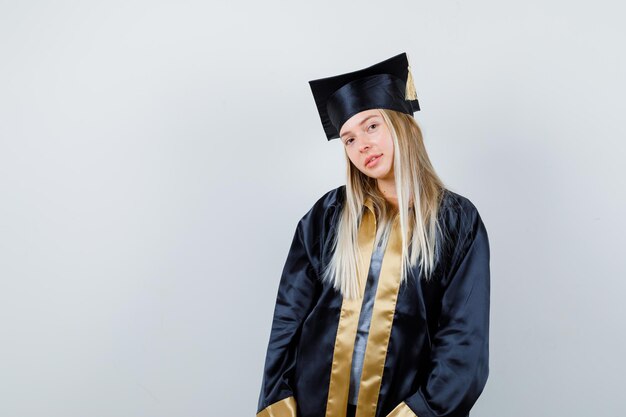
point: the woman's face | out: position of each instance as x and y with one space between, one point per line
365 135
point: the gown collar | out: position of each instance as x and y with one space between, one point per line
369 204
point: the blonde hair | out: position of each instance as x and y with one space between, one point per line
417 185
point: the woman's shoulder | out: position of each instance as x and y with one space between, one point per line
458 213
325 204
455 202
330 199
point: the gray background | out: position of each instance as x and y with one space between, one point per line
155 158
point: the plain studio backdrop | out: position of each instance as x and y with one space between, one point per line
155 158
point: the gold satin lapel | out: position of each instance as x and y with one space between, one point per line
381 323
368 203
339 386
401 410
283 408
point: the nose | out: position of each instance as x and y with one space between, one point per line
365 144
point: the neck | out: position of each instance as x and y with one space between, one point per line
388 190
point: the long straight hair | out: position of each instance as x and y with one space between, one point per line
417 186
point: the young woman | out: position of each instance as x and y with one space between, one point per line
383 304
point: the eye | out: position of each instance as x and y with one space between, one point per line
373 124
348 141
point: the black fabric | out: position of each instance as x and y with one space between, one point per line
365 316
437 359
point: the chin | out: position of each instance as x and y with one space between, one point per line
377 175
382 173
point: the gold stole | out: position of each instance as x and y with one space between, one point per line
380 327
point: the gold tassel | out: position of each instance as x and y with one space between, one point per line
410 93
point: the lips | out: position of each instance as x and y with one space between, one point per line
372 158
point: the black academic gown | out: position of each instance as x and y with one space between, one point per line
428 347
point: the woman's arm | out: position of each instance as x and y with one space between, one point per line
460 353
295 298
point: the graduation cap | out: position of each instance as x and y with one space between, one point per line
386 85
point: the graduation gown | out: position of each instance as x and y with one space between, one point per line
427 350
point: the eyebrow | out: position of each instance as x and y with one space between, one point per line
363 121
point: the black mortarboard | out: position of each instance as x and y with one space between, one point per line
386 85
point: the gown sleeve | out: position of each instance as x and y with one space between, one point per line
295 298
459 362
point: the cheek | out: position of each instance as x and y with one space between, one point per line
352 157
389 144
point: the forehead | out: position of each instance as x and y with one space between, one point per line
357 119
